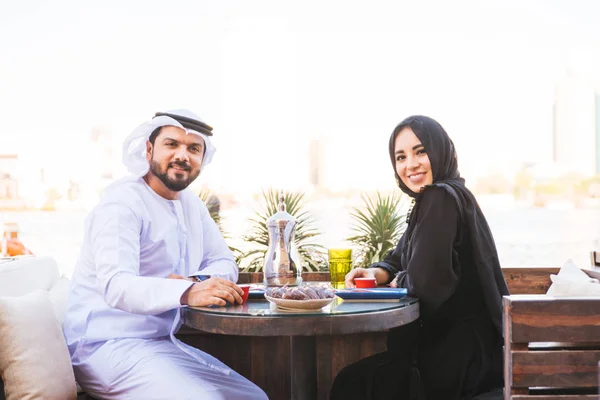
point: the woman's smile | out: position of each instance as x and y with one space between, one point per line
417 177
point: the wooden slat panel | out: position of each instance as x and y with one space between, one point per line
534 280
555 369
520 280
528 280
257 277
336 352
263 360
270 365
545 319
556 397
537 346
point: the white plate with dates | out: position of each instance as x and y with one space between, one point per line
300 305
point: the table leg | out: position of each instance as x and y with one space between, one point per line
303 366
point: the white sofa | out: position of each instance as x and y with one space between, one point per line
34 359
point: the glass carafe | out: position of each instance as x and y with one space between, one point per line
283 265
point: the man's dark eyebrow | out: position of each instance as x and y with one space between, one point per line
414 148
201 144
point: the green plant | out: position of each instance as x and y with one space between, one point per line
378 227
212 203
313 258
210 198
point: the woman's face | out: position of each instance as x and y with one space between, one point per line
412 163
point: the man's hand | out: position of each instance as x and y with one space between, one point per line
214 291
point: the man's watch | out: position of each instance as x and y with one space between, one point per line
200 278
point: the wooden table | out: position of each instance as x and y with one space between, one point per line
296 354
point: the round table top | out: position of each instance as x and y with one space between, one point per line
261 318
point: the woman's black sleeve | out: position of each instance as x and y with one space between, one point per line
433 268
391 263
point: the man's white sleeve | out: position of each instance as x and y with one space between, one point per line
115 241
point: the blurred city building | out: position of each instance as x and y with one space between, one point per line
9 185
315 165
576 125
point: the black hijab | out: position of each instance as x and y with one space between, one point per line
444 168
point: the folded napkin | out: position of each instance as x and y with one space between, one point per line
572 281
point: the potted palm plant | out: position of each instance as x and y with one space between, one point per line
378 225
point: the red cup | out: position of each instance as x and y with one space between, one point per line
365 283
246 289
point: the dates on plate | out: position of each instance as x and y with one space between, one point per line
305 292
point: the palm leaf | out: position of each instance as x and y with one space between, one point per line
205 196
378 225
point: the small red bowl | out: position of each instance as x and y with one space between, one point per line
365 283
246 289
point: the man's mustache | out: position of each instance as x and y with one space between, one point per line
181 164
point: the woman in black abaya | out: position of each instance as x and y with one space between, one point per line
448 260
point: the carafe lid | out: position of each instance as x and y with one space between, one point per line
281 214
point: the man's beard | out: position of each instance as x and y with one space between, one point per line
171 184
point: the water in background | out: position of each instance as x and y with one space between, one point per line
524 235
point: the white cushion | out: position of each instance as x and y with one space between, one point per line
59 294
34 359
572 281
22 275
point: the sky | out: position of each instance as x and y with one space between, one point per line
270 76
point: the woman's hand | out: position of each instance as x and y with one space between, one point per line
381 276
358 273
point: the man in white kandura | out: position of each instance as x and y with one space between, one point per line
142 244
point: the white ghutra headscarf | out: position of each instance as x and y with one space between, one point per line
134 146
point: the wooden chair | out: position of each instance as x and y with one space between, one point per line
551 345
595 258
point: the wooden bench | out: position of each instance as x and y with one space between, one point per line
595 258
552 345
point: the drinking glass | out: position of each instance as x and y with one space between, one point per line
340 263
